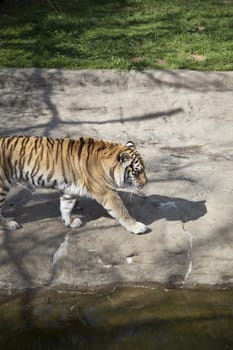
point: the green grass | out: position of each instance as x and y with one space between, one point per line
120 34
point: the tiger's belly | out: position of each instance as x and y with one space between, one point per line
69 189
74 190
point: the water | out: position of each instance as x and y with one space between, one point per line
121 318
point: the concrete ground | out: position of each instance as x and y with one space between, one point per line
182 123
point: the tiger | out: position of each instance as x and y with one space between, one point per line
76 167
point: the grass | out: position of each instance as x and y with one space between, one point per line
120 34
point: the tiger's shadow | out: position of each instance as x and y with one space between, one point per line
26 207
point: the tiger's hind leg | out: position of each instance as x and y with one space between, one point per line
67 203
6 224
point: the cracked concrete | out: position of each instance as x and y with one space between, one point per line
182 123
61 252
189 255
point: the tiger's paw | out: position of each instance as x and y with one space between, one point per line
76 223
9 225
73 224
138 228
66 220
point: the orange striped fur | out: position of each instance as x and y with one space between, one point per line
76 167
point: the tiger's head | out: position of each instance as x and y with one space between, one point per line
131 168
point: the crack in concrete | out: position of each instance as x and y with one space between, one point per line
106 266
189 254
61 251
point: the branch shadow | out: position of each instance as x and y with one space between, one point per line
15 252
44 85
195 81
148 209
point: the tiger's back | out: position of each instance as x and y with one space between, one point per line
76 167
37 159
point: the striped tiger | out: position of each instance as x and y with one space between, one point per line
75 167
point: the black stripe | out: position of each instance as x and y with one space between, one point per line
47 154
21 155
62 163
90 143
70 146
6 172
23 148
50 144
81 144
54 184
50 141
89 147
35 168
50 175
47 159
17 139
9 139
68 156
6 169
39 179
33 182
10 164
36 142
41 150
20 173
58 142
101 148
5 188
27 176
30 155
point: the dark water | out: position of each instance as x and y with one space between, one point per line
124 318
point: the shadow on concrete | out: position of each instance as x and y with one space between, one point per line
138 118
17 248
175 209
34 95
147 209
15 254
197 81
150 209
42 101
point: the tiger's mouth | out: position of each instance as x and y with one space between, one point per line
139 186
134 186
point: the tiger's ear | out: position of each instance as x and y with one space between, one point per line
123 157
131 144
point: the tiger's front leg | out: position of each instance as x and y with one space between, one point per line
115 207
66 205
6 224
